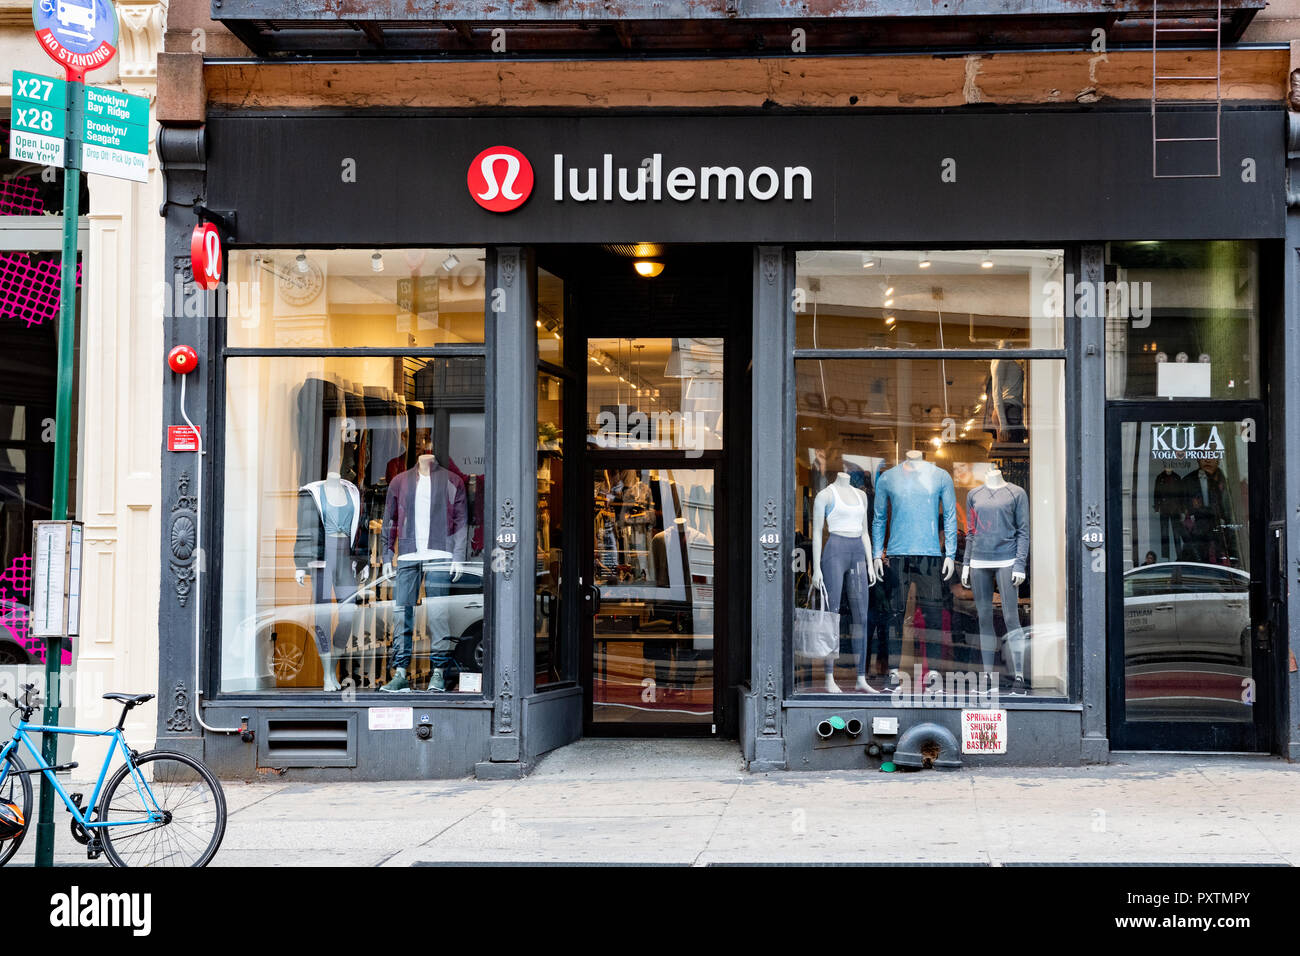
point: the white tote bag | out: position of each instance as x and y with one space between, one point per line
816 629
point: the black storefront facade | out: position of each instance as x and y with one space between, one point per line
1027 334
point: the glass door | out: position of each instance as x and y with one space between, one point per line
1188 644
650 583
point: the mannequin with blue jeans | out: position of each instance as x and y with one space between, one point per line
911 499
425 530
844 565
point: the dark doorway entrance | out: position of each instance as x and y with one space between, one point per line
1189 663
658 460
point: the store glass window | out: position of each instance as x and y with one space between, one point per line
345 298
29 319
548 654
1182 319
1186 552
352 521
655 394
550 318
931 491
955 299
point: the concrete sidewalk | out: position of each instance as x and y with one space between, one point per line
689 803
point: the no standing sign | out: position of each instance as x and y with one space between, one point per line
80 35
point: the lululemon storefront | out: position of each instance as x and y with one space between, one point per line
883 439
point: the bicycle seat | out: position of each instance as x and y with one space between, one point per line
130 700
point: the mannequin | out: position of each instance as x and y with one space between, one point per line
425 531
636 521
1168 504
911 496
1007 394
847 562
330 544
680 553
997 548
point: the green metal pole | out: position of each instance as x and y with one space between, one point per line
62 443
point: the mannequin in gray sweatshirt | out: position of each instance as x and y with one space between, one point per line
997 552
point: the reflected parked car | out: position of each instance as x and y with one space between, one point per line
272 648
1182 610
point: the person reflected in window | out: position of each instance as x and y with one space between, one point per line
1209 539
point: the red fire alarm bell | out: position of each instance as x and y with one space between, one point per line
183 359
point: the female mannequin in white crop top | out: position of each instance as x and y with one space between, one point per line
844 565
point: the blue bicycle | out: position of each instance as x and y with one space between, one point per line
160 808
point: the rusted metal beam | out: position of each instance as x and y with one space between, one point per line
372 31
599 11
461 29
599 39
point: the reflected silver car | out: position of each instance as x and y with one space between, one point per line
271 648
1182 610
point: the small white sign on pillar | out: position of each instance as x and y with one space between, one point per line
56 578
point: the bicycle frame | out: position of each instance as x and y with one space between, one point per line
21 735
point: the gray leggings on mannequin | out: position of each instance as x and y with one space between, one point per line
844 565
981 585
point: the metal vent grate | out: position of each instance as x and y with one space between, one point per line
308 741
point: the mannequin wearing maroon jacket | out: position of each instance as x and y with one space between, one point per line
435 561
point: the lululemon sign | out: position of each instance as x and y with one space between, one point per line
205 255
500 179
80 35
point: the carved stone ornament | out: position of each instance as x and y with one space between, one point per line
140 38
507 538
185 269
183 539
769 704
505 706
770 540
1092 519
179 721
771 267
1092 261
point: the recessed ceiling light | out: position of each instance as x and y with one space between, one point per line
868 262
986 264
889 291
888 303
924 264
890 320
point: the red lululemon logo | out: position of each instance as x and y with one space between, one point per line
500 179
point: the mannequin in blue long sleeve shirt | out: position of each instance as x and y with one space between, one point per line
910 498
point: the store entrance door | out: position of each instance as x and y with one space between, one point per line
652 620
1189 649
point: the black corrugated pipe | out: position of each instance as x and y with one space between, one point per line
928 745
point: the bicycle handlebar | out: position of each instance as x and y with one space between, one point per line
26 705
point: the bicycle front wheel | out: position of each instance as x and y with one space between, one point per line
193 811
15 788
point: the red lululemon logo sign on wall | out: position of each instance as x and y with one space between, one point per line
205 255
500 179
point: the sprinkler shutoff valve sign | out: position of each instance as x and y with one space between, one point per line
983 731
